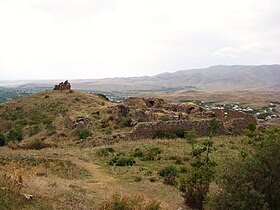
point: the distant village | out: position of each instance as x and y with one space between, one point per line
265 113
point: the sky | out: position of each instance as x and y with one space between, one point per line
84 39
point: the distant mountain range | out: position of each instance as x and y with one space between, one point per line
215 78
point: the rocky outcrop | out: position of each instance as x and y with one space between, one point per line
120 111
63 86
78 122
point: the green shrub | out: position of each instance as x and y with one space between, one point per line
153 179
3 140
198 182
251 181
122 161
178 161
170 179
34 130
15 134
84 133
183 169
137 152
251 127
168 170
152 152
182 187
104 152
125 202
195 195
107 131
137 179
35 144
148 173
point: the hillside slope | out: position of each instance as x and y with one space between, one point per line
53 115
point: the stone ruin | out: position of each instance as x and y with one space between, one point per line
78 122
63 86
146 112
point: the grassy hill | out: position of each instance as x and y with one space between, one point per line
44 115
41 158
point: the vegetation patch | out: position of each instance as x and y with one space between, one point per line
122 161
129 202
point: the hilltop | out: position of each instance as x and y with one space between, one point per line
57 117
45 115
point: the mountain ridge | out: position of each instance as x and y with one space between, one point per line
214 78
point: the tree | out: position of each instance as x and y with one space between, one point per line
191 136
198 182
213 130
251 181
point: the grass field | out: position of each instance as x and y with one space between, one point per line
80 178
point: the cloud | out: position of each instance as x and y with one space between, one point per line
104 38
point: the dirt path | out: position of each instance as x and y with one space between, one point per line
98 175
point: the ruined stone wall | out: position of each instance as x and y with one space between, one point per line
237 114
150 129
219 113
63 86
236 126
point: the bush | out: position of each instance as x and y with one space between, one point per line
107 131
104 152
178 161
125 202
168 170
122 161
35 144
84 133
15 135
3 140
34 130
137 152
137 179
195 195
197 183
152 152
251 181
170 179
183 169
183 186
251 127
153 179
